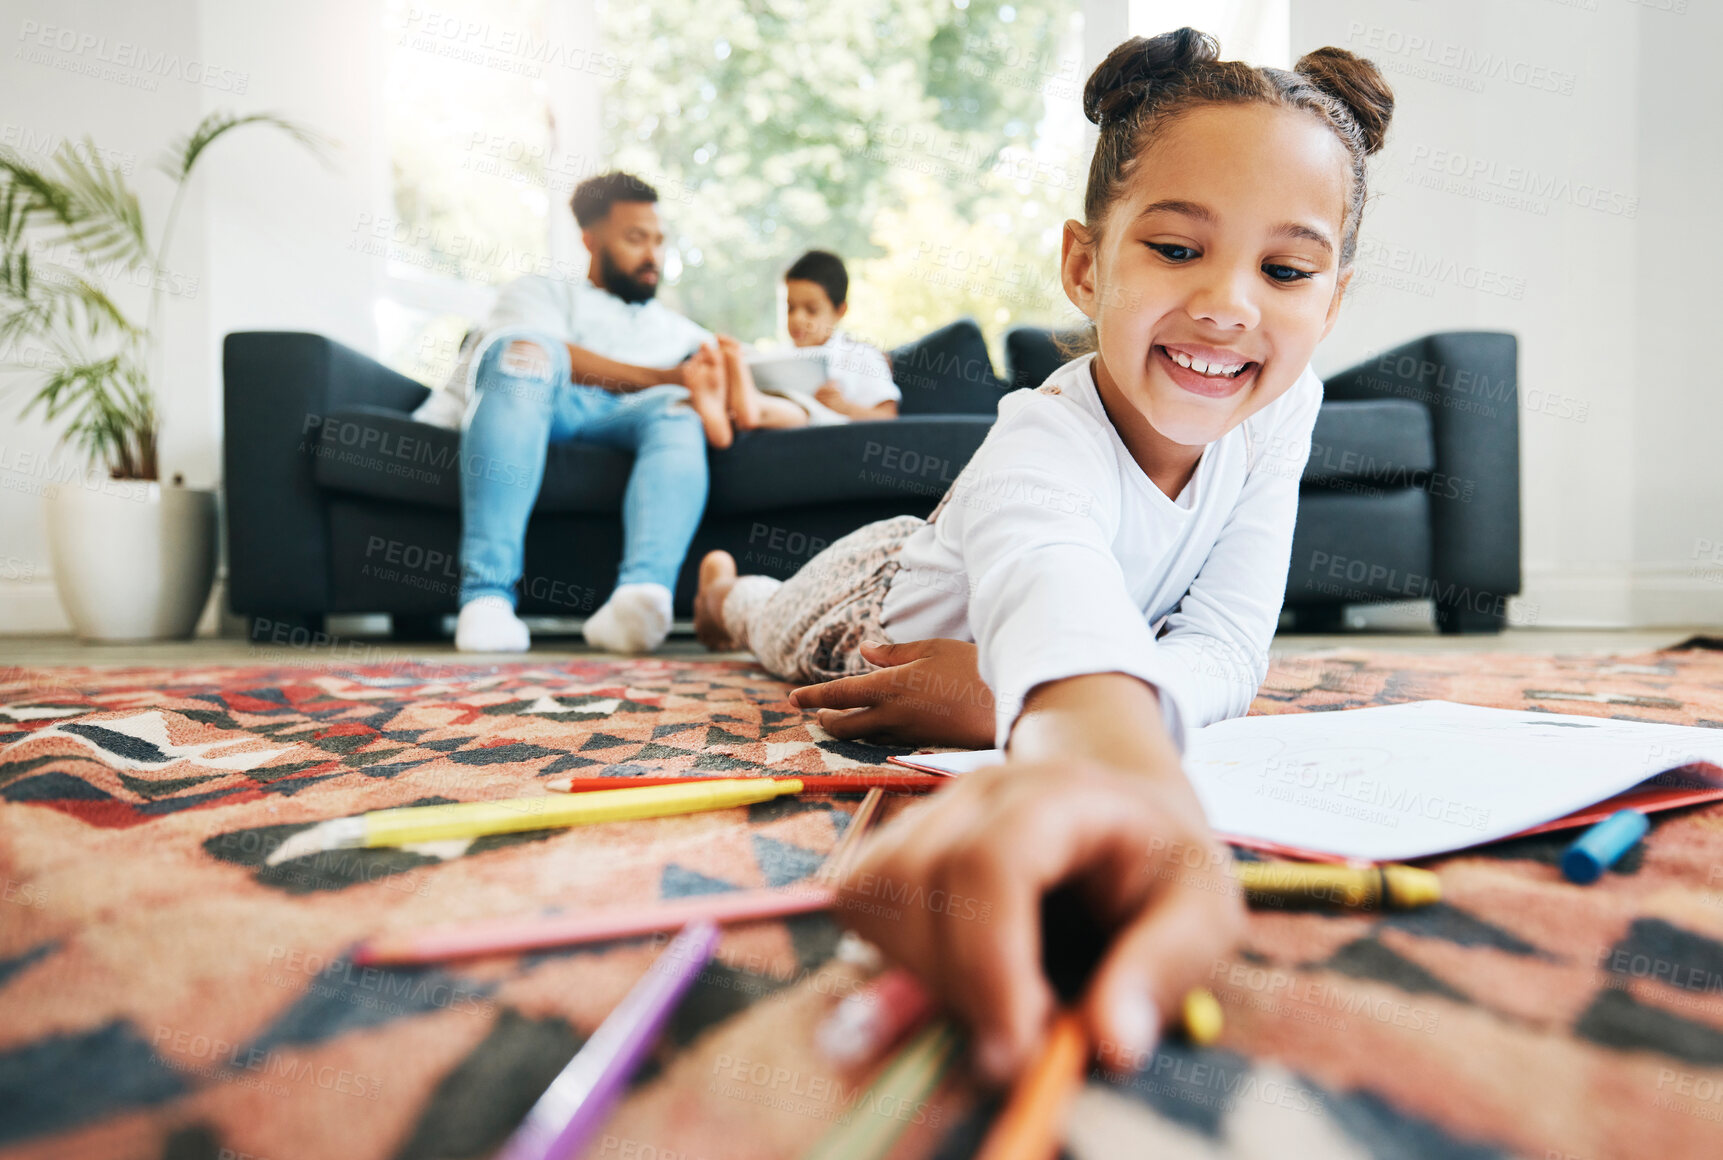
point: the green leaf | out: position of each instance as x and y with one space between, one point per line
184 154
86 206
106 224
95 383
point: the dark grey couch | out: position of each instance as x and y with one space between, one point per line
338 502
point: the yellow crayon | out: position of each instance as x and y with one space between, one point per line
411 824
1203 1021
1401 887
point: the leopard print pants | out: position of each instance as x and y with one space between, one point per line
810 627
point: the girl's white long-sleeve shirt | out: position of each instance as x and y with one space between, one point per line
1059 557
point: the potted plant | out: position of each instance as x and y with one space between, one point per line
133 560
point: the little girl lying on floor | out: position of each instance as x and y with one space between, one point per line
1117 549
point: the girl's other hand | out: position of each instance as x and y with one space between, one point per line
926 692
953 888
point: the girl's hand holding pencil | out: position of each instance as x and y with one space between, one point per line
953 889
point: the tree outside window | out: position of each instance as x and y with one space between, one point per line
937 146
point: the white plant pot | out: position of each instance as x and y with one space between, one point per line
133 560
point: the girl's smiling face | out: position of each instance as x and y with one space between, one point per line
1214 276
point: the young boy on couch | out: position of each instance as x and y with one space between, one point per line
858 378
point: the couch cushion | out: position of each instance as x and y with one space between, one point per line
947 372
1032 353
917 457
1384 443
383 454
387 455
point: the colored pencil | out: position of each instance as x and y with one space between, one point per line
1028 1128
407 825
878 1117
577 1102
820 783
837 865
512 935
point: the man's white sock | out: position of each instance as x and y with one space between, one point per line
635 619
488 624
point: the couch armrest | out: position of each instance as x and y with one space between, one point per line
1469 381
277 388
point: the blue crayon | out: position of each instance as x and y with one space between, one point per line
1598 848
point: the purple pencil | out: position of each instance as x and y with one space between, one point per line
578 1101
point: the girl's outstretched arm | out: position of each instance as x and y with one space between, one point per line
1092 798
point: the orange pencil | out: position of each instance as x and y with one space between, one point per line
1028 1128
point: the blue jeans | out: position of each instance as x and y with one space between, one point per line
522 404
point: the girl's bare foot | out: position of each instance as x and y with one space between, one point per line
703 375
744 398
717 577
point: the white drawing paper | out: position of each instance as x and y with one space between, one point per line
1407 781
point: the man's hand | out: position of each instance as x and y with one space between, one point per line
594 370
952 889
928 692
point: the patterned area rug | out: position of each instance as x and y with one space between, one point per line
165 994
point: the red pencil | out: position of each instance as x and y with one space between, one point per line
832 783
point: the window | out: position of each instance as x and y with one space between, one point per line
466 113
937 145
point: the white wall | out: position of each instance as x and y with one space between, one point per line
281 227
265 233
1619 401
47 94
1677 465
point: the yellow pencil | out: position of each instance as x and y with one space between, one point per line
1274 883
411 824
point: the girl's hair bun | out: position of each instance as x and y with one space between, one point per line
1357 84
1132 70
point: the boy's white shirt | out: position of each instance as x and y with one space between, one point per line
647 334
1060 558
861 372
